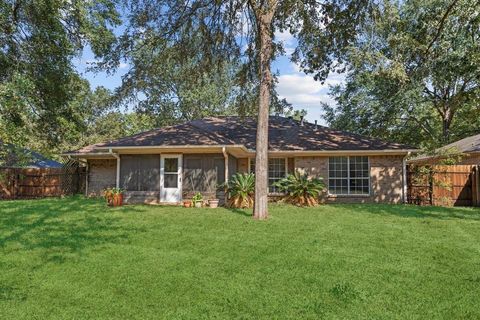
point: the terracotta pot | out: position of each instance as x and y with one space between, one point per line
213 203
187 204
118 200
109 198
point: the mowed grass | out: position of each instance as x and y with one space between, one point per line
75 258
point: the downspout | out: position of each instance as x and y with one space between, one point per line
225 155
404 178
116 156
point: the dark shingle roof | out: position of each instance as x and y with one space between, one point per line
285 134
467 145
13 156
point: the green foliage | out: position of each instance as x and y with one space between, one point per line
240 189
197 198
40 91
110 192
300 189
413 74
203 59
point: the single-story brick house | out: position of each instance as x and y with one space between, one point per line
469 148
172 163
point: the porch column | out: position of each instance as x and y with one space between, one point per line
225 155
404 178
118 172
116 156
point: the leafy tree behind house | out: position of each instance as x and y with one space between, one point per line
39 87
414 74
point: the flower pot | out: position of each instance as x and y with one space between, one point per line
187 204
213 203
118 200
198 204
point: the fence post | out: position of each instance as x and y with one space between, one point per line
431 177
476 186
16 178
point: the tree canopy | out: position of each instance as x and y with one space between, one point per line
414 74
40 91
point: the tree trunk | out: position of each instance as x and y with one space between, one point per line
446 124
260 210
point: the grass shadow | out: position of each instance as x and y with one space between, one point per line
63 228
242 212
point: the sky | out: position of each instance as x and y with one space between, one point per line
301 90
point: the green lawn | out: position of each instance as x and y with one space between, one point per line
78 259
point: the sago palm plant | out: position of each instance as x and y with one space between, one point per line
240 189
301 190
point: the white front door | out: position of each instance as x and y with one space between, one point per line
171 178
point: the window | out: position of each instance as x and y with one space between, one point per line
277 170
170 174
348 175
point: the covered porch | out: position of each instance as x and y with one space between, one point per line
163 175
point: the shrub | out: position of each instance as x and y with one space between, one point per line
240 189
301 190
197 198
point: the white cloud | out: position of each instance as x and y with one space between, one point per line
303 92
284 36
122 65
287 39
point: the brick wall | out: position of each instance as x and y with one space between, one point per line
102 173
385 178
242 165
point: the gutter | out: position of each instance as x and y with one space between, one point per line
250 152
116 156
404 177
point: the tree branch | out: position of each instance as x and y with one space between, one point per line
441 25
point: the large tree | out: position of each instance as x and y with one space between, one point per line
415 74
209 35
39 86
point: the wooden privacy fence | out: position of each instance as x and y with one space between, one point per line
27 183
439 185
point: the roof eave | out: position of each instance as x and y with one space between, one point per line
345 152
242 148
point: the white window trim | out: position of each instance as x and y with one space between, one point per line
334 195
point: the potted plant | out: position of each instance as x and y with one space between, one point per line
213 203
187 203
108 195
197 200
117 197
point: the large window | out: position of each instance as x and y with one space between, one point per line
348 175
277 170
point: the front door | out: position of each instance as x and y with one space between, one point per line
171 178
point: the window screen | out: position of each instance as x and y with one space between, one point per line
140 172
